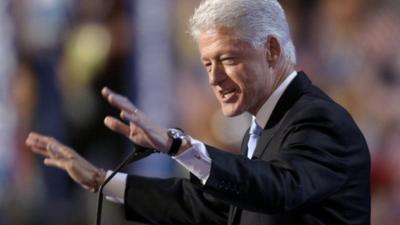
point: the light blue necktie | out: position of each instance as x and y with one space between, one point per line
255 133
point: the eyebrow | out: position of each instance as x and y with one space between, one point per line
222 52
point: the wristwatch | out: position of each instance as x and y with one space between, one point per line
177 137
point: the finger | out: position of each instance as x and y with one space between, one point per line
130 117
117 100
41 141
54 163
42 152
35 140
105 91
38 143
117 126
57 150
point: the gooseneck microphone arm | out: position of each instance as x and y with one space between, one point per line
138 153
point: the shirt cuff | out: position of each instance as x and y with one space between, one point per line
114 191
197 160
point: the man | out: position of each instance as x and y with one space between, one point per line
303 161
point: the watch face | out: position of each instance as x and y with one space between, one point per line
174 133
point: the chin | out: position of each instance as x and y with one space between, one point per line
231 111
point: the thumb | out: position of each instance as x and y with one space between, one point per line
54 163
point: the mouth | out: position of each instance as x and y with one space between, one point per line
227 94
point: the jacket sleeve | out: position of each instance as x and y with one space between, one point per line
171 201
311 164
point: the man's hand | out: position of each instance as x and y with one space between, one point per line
62 157
140 129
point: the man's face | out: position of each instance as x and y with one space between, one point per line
238 73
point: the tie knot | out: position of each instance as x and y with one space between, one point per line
255 128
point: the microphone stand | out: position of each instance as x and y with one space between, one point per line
138 153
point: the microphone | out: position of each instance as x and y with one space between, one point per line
139 152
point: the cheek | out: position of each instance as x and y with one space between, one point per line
245 80
252 87
238 75
214 90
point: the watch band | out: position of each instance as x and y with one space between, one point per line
177 137
176 144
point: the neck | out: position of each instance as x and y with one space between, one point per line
284 68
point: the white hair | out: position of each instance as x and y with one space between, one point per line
254 20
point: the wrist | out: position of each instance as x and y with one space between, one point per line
178 141
98 179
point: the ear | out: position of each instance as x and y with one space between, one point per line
274 51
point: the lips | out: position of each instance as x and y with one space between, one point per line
227 94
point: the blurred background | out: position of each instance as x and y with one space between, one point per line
56 55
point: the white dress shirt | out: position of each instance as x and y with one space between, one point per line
196 159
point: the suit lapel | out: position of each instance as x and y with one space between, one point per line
296 88
243 147
265 138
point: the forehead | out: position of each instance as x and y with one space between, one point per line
219 41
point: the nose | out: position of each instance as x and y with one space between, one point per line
216 74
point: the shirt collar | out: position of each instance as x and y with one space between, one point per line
265 111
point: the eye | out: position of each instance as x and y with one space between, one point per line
229 60
207 65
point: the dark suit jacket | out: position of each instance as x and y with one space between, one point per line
311 166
